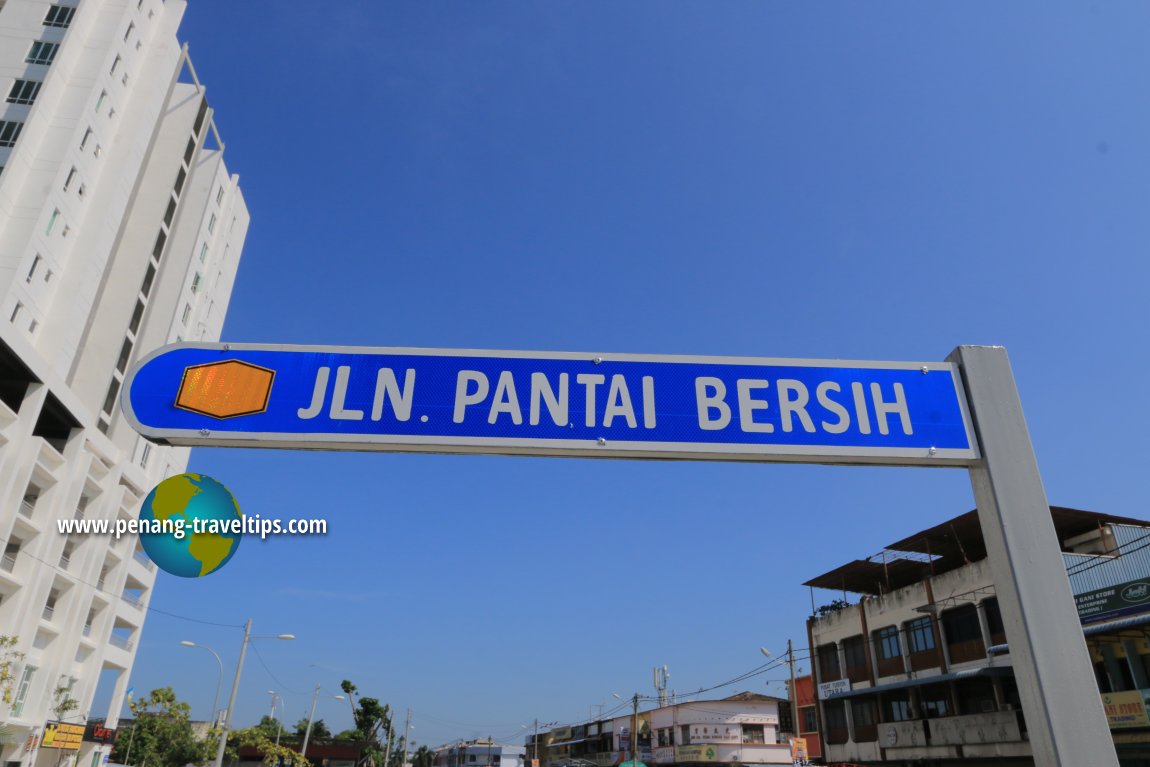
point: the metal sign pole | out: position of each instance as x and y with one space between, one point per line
1067 726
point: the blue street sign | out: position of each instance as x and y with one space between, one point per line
549 403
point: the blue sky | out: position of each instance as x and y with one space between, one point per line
880 181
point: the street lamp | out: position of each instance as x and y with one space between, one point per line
310 719
219 679
219 760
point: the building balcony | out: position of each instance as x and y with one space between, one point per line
8 562
121 642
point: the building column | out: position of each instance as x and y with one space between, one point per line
1137 670
983 626
1112 664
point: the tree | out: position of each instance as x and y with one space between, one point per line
271 728
318 729
8 660
423 757
372 726
257 737
161 735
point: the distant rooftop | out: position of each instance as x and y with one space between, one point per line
944 547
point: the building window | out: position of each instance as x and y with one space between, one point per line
149 277
187 314
9 132
84 141
963 634
24 91
919 635
753 733
100 101
189 151
220 194
212 224
145 454
110 400
70 178
19 307
158 248
994 620
864 717
810 719
898 707
115 65
128 31
170 213
836 721
42 52
22 690
888 642
196 281
203 252
180 178
137 315
32 269
934 701
828 663
59 16
52 221
854 655
125 355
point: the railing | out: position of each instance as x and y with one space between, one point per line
87 630
138 603
27 507
8 562
65 560
49 611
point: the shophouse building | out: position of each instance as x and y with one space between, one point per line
918 670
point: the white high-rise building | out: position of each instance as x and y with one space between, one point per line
120 231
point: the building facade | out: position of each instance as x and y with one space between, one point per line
120 231
740 729
478 753
918 671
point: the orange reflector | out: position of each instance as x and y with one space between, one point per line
225 389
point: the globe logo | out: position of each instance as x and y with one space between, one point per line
190 525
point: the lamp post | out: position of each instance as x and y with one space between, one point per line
311 719
227 718
634 728
219 679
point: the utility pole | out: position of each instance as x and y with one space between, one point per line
793 691
406 731
535 751
635 732
387 754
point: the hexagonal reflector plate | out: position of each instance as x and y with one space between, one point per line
225 389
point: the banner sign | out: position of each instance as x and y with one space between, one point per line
1113 601
551 403
62 735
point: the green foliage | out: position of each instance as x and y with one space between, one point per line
162 734
63 702
833 607
373 726
8 660
257 737
270 728
318 729
423 757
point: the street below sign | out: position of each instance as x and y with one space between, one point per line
551 403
